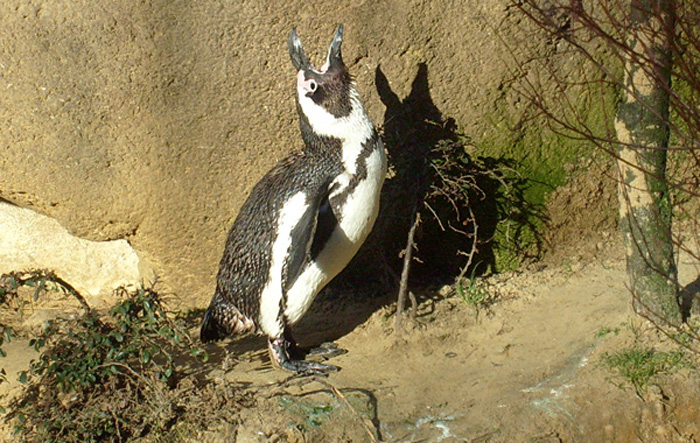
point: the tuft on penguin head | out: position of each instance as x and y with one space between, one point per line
328 88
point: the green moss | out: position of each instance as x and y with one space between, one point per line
543 157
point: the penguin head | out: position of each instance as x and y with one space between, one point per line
326 92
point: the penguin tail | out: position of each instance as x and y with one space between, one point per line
223 320
210 330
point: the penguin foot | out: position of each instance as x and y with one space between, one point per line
327 350
280 358
306 367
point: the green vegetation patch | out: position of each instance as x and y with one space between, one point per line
638 367
108 376
545 139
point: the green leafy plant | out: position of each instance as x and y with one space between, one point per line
474 292
638 367
605 330
6 335
40 279
105 377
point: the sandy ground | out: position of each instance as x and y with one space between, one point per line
526 368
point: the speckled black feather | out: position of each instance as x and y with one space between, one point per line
245 265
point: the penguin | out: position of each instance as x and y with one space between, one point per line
305 219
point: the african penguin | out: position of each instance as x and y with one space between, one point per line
306 218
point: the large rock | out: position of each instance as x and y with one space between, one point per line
33 241
151 121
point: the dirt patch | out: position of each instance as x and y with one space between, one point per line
582 220
528 367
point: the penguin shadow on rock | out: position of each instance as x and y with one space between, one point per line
437 171
425 152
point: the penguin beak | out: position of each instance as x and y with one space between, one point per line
299 58
335 58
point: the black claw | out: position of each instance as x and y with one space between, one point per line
278 349
327 350
306 367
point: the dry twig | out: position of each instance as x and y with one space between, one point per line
408 256
474 250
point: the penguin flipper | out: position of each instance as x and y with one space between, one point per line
305 233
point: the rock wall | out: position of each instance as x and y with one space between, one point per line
149 122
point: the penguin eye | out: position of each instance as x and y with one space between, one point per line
312 86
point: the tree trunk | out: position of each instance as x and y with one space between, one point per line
643 135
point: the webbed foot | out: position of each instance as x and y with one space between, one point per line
280 358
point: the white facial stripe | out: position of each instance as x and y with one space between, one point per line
270 315
353 130
304 84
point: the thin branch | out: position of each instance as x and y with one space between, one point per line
474 250
414 305
40 276
408 255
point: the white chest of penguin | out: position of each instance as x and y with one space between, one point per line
356 213
354 199
362 178
356 205
364 171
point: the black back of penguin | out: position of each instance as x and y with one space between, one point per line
245 265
